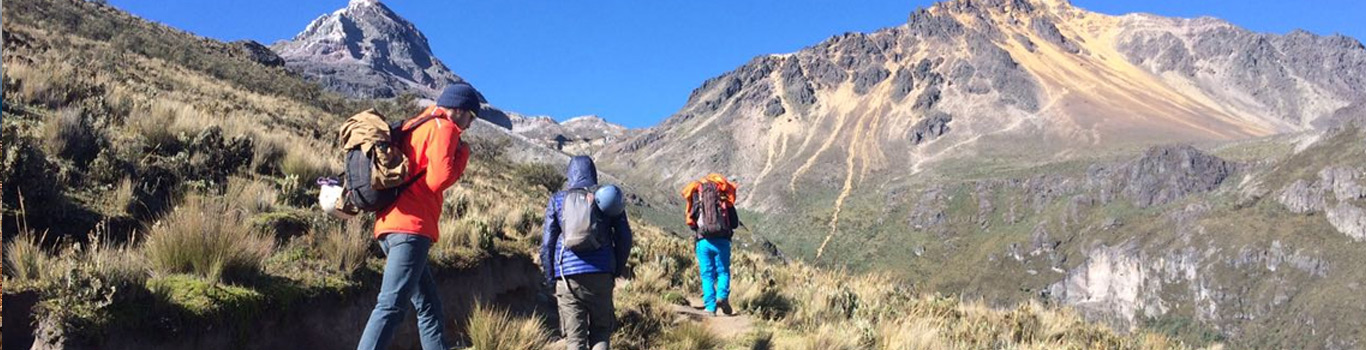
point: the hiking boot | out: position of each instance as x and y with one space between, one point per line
711 313
724 305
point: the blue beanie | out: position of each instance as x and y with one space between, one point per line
460 95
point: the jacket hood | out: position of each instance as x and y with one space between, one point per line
582 173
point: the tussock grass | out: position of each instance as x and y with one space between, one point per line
826 337
156 124
305 161
641 319
51 86
267 156
208 237
344 247
25 260
494 329
123 199
690 336
252 195
69 134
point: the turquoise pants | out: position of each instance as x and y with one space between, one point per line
713 262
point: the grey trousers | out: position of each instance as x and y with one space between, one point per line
587 316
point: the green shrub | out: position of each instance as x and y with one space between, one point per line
213 157
769 305
108 167
542 175
488 149
491 329
77 301
282 225
208 237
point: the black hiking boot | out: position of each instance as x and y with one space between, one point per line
724 306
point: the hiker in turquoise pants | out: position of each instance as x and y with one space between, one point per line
712 217
713 261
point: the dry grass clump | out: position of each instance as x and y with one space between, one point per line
306 161
208 237
157 124
68 134
493 329
123 198
252 195
826 337
689 336
641 319
51 86
344 247
268 155
25 260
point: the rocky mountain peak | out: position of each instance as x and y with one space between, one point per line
366 50
363 3
1005 6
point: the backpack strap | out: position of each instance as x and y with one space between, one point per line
419 122
405 129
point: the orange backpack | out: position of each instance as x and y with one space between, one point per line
724 188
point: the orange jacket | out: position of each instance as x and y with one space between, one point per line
726 187
436 147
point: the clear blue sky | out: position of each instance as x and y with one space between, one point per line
634 62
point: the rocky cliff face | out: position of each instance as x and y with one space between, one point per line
366 50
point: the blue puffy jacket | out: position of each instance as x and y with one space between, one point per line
558 261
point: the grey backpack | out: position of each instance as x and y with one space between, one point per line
580 221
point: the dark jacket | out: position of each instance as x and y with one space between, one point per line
557 261
730 212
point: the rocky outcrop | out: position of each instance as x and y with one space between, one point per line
366 50
1337 192
258 53
930 127
1167 173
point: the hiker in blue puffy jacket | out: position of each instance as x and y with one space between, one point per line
584 280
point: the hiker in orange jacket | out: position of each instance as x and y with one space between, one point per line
407 229
712 217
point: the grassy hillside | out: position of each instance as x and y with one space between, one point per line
158 188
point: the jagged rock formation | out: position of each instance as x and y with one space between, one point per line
366 50
258 53
578 135
1165 174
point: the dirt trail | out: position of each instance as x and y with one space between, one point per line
728 328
